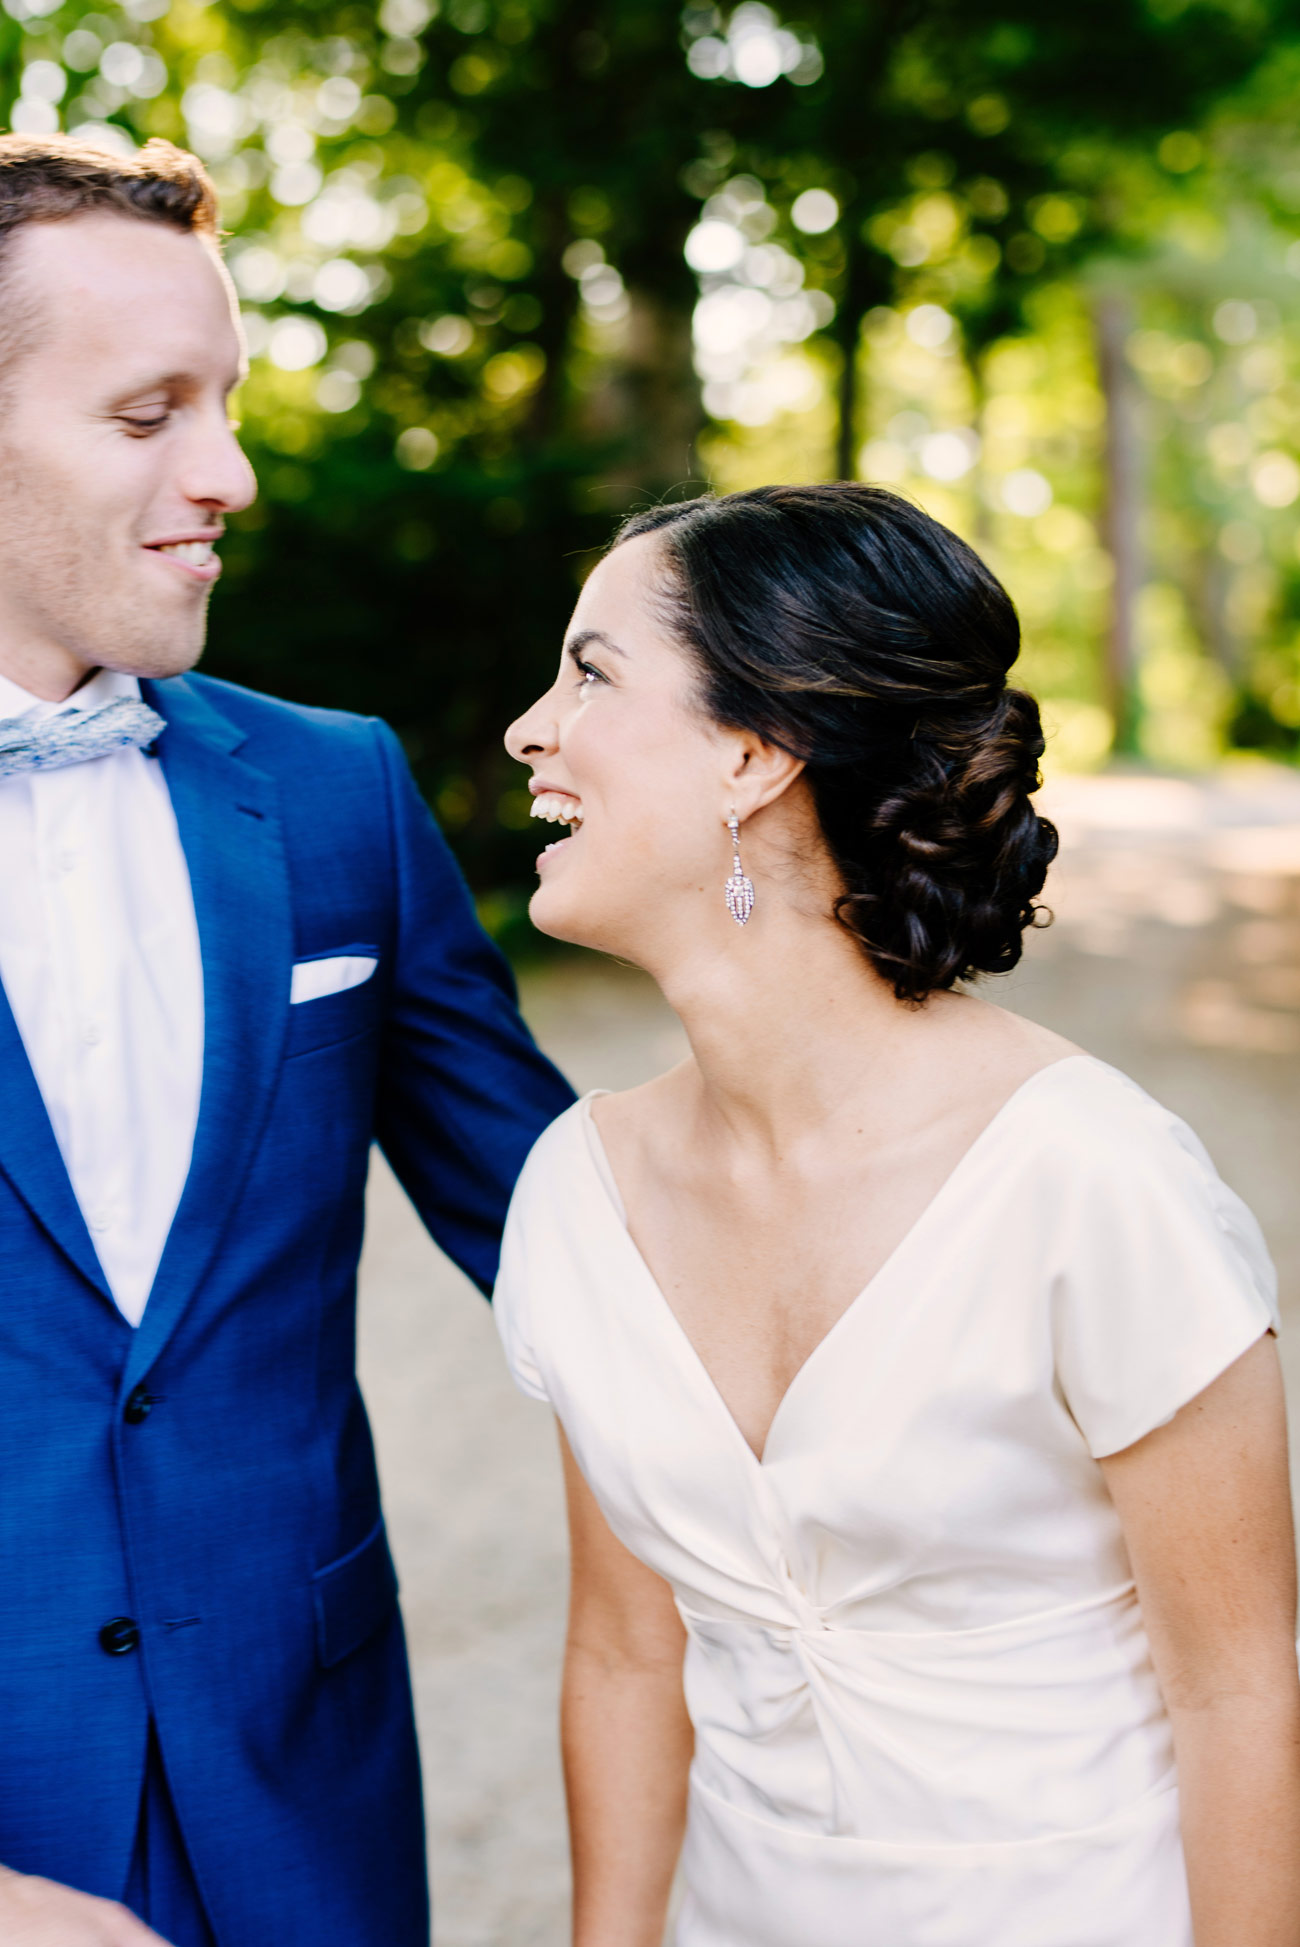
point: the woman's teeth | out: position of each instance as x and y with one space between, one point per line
557 808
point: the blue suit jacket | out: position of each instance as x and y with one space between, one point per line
210 1475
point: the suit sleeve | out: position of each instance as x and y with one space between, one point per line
464 1092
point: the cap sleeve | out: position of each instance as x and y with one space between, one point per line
511 1296
1167 1279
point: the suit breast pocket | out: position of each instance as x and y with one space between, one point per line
343 999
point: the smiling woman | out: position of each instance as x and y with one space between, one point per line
863 648
933 1577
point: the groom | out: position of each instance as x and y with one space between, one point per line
234 951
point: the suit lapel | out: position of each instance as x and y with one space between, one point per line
30 1157
228 816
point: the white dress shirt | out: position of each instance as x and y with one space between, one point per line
99 956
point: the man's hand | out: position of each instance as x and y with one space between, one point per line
38 1913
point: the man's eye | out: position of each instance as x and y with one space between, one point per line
139 423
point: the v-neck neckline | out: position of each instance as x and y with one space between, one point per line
598 1159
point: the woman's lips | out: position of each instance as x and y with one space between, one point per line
556 808
549 851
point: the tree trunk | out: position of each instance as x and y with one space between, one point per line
643 405
1211 595
867 283
982 525
665 393
846 429
1122 512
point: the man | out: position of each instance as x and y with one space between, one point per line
233 950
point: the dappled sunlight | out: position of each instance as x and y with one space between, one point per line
1198 879
504 278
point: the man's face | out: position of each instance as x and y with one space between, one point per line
118 463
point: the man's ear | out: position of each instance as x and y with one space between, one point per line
757 773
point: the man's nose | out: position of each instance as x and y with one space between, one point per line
218 473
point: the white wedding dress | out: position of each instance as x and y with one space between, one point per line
924 1706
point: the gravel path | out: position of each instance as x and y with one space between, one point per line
1175 954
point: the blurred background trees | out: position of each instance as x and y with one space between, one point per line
513 267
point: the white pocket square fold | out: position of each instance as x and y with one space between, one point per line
314 979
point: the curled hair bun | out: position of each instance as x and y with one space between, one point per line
954 855
844 625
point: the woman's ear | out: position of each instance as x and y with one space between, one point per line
757 773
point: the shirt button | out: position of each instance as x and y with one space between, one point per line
67 860
92 1034
101 1220
120 1636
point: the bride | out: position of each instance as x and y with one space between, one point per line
933 1571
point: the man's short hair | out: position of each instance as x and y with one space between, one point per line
49 178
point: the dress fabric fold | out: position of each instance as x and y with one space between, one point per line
924 1704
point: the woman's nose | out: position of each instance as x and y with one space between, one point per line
533 735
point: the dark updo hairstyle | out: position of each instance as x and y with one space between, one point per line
843 625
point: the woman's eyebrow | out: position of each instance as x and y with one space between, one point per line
585 637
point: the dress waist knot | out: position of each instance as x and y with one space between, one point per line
1033 1727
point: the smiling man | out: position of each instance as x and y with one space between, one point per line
111 339
233 952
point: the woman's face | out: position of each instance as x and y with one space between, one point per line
624 759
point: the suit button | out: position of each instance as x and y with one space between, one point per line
139 1406
119 1637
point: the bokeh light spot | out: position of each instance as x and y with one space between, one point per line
1026 492
815 212
296 344
416 449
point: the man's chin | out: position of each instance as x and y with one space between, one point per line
154 660
158 671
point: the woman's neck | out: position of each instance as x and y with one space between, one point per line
790 1026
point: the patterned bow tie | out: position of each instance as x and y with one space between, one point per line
74 736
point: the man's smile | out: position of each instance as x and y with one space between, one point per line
194 555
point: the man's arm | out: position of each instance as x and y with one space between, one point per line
37 1913
464 1091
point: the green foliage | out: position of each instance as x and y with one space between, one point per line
510 267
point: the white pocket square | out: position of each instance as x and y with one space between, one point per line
314 979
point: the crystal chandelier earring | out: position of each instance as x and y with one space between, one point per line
739 889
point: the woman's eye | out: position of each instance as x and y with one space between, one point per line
589 676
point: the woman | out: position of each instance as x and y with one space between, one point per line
914 1369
